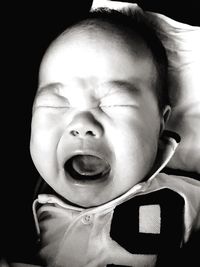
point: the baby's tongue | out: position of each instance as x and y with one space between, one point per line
89 165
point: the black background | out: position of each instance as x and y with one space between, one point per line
26 31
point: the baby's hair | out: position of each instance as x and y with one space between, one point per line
136 22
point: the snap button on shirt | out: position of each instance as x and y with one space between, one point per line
87 219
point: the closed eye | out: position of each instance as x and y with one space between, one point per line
52 101
120 99
118 105
107 107
53 106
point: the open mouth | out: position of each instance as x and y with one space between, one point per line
87 168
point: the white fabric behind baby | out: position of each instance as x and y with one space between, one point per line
182 43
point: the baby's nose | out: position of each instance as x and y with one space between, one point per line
85 125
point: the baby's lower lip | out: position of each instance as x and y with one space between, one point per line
87 169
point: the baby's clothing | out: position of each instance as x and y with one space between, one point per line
147 224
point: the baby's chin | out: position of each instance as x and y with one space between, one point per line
89 193
89 202
92 194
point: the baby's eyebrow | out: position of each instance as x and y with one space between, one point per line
120 85
53 87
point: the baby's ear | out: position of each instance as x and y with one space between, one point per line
165 117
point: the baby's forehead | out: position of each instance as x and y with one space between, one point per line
96 43
100 33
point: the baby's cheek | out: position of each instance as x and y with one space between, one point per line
43 153
46 127
45 119
45 133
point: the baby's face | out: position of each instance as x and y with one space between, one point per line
95 124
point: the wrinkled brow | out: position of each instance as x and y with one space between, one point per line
55 87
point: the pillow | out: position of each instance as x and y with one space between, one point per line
182 43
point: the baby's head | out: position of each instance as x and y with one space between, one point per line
100 108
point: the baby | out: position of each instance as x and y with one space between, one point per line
98 141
